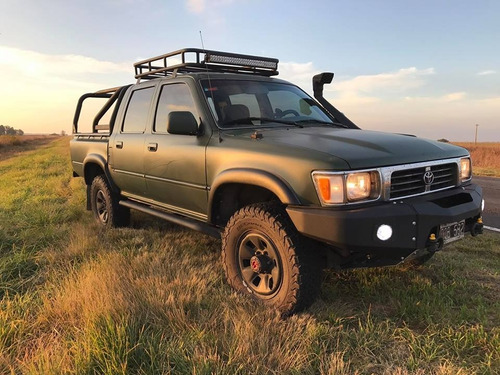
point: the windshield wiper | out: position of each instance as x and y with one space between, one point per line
314 121
248 121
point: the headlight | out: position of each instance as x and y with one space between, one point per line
465 169
358 186
341 188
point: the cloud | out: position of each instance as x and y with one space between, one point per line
196 6
399 81
299 74
451 97
494 102
293 69
371 89
39 91
455 96
364 89
199 6
487 72
429 117
22 63
384 102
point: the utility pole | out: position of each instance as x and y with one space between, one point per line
475 139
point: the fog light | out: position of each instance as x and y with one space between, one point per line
384 232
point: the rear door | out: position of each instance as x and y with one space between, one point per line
126 154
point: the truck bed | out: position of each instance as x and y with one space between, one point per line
88 145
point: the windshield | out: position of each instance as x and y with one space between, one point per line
239 103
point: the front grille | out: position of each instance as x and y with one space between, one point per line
409 182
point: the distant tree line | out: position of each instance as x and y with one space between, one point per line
9 130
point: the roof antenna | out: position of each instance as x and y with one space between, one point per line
201 38
209 82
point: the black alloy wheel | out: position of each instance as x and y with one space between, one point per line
260 264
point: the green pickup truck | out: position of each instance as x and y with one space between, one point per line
211 141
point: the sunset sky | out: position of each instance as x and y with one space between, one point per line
430 68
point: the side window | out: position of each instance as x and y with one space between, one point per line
136 116
173 97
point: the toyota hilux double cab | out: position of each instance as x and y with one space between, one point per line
213 141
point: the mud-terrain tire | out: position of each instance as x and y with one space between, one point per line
105 207
265 256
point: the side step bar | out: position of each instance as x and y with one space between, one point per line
189 223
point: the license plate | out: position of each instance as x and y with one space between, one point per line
452 231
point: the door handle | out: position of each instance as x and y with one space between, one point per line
119 144
152 147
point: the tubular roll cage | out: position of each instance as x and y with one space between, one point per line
189 60
112 94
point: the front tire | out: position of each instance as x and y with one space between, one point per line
105 206
265 256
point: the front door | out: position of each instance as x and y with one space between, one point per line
175 164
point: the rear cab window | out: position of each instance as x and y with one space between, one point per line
137 113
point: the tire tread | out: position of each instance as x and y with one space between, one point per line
305 278
119 216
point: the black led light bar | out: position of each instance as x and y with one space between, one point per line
234 60
190 60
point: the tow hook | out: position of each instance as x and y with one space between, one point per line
434 244
477 228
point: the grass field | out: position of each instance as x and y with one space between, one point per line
13 144
485 157
152 299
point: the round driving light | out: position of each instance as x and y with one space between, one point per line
384 232
482 205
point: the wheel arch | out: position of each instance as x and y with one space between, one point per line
244 186
95 165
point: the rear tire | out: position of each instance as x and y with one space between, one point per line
105 206
265 256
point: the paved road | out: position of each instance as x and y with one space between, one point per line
491 194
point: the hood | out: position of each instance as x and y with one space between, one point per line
359 148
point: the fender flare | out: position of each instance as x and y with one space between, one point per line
256 177
103 164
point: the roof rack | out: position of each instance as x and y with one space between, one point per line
191 60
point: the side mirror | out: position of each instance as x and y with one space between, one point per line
319 81
182 122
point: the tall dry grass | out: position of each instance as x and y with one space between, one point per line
485 157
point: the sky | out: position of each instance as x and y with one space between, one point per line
429 68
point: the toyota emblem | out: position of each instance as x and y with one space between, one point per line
428 177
